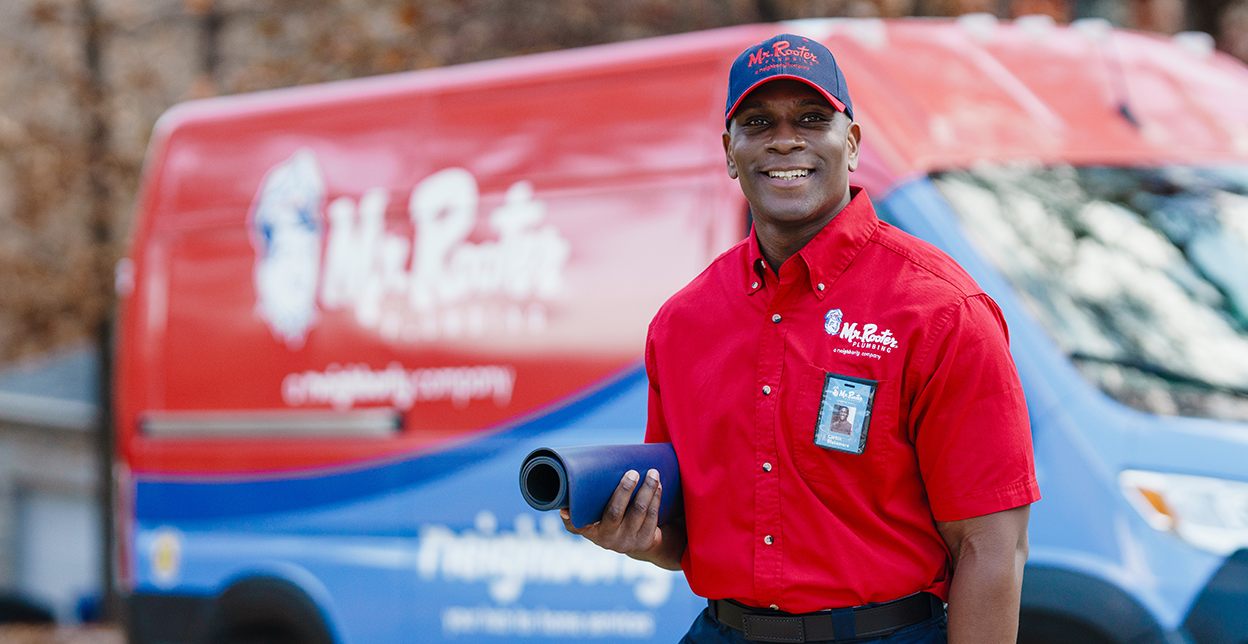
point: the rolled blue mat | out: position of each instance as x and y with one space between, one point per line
582 479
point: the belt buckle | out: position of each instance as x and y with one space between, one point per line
763 628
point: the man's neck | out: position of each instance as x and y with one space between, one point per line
778 243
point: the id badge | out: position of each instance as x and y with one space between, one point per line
845 413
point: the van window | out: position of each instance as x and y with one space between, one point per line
1139 274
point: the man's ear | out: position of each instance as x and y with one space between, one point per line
853 136
732 165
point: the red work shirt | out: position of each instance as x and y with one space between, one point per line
737 362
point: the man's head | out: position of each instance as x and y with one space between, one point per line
791 140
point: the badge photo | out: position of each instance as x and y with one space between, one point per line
844 413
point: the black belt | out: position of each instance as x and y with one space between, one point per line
871 620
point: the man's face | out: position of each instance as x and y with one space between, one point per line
792 153
842 413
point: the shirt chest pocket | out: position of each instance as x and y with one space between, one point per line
814 417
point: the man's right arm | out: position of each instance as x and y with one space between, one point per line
632 528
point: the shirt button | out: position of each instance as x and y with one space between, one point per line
768 540
767 390
766 467
775 317
821 287
754 285
775 607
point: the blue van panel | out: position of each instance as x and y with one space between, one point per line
443 539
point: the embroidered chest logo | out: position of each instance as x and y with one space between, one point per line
869 337
832 321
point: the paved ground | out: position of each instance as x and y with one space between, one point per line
22 634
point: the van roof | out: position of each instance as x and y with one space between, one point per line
931 93
946 93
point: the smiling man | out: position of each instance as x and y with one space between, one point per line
801 535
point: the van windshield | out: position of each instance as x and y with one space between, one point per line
1139 274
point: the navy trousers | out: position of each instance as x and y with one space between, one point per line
706 630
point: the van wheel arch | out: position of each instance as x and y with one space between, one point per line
1064 606
265 610
1039 627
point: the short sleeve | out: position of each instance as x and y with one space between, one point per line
969 418
656 424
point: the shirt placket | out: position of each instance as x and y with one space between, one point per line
768 539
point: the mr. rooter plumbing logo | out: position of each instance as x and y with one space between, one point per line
428 284
782 53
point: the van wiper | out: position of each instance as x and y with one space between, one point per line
1168 375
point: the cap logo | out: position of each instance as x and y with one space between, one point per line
781 49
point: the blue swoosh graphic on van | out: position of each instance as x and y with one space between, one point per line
167 498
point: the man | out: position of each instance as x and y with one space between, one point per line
841 425
796 536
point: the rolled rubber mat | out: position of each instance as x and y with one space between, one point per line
582 479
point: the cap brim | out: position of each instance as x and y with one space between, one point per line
840 107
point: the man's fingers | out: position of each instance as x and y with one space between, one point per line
625 527
652 515
593 531
567 521
643 503
623 522
613 514
651 518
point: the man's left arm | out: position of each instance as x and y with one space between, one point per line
988 556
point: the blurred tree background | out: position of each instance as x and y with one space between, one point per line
83 81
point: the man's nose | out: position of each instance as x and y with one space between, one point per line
786 138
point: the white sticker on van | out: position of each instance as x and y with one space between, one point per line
345 387
285 229
432 285
543 622
507 561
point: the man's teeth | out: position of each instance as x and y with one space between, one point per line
787 174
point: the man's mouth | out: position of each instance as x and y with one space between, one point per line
788 174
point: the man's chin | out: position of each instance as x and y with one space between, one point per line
791 214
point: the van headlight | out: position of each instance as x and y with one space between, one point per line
1209 513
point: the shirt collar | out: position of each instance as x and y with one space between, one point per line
755 266
830 252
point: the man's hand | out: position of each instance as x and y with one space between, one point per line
633 529
988 557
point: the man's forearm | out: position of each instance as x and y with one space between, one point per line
984 599
989 553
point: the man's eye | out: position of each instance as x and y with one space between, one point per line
755 121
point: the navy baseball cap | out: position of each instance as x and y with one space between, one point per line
788 56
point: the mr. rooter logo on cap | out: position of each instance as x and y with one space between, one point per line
783 50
